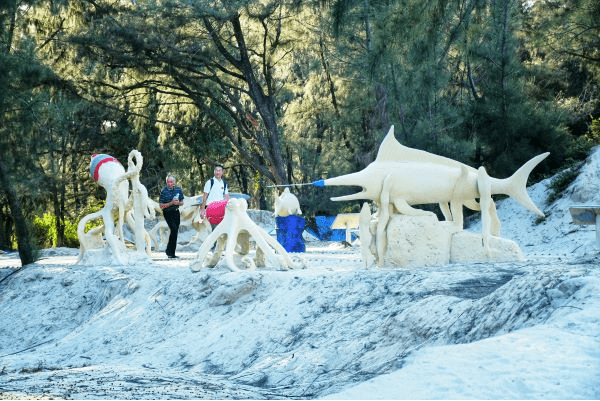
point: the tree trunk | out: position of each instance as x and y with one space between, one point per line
24 243
59 214
328 76
6 224
267 137
11 28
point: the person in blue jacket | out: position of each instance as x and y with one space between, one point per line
170 199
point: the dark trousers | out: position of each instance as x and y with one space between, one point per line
172 217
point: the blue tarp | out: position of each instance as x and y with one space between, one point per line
324 231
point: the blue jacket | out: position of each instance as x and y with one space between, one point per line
167 195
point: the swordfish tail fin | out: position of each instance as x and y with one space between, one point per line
516 184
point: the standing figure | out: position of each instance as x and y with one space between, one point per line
215 190
170 199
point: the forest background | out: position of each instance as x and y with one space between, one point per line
280 92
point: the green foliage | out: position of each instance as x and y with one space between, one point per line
580 147
593 135
45 231
541 219
561 182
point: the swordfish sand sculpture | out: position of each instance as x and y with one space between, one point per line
401 177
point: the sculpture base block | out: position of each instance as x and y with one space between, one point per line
468 247
414 241
419 241
105 257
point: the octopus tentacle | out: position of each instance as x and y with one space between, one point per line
235 230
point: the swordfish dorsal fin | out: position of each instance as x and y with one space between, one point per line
392 150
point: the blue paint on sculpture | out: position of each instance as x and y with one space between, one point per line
289 232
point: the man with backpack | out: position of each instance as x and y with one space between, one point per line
215 190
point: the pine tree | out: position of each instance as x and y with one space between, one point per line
509 127
220 60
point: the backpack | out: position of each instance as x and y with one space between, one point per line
212 182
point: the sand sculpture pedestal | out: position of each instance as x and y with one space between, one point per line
415 241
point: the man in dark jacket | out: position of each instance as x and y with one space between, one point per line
170 199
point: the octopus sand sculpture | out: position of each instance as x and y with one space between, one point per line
110 174
232 236
401 177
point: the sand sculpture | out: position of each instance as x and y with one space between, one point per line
287 204
120 207
290 224
232 236
401 177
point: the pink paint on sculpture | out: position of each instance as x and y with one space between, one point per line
215 211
